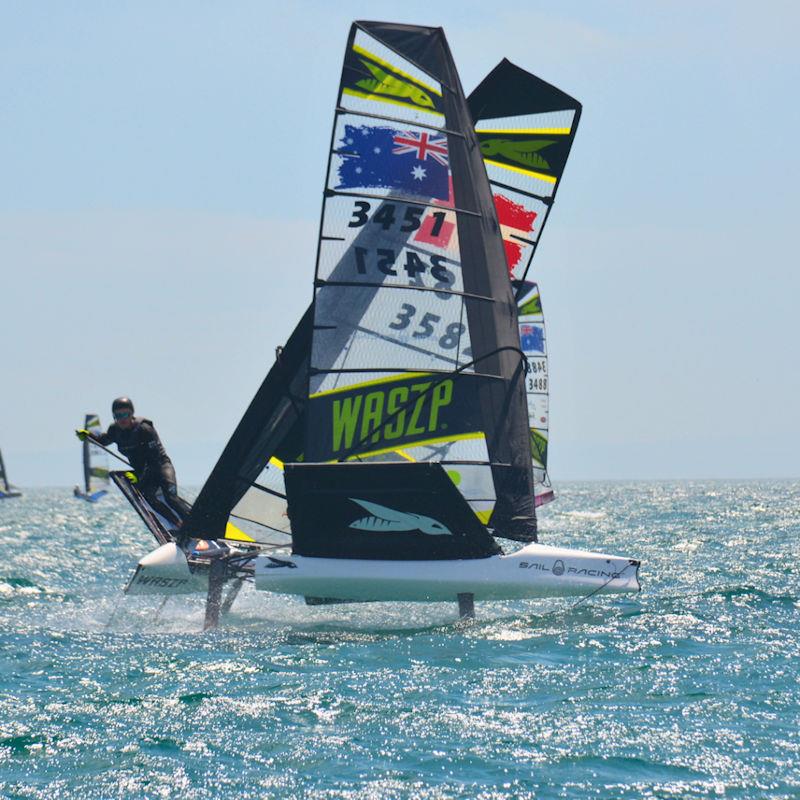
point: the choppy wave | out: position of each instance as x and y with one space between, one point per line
687 690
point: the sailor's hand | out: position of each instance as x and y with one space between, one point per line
131 476
82 434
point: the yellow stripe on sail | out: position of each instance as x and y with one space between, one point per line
424 443
276 463
403 376
232 532
397 71
484 516
540 175
534 131
383 99
406 456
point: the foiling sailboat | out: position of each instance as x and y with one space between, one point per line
7 491
402 432
95 465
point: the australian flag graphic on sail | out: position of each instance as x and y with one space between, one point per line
410 162
531 338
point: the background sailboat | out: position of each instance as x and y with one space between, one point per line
95 465
6 489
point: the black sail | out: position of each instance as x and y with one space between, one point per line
525 128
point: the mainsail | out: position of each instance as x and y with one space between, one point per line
526 128
95 460
411 350
415 350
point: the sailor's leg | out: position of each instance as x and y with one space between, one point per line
148 490
169 486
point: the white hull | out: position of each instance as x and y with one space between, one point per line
534 571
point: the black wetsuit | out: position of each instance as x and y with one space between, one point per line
141 445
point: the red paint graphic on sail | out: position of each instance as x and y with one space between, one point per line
435 229
517 220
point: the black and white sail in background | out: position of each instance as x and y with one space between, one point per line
95 464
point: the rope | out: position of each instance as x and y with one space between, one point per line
600 588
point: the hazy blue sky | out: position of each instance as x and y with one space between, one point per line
161 171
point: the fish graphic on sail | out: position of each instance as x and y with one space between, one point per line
373 74
387 519
392 88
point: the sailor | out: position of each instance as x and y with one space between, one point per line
138 441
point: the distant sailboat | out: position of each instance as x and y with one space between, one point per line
7 491
95 465
403 429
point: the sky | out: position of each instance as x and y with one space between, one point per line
161 175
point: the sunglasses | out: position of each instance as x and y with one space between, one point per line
122 415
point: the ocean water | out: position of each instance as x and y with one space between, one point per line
689 689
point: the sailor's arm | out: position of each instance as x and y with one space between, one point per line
100 438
